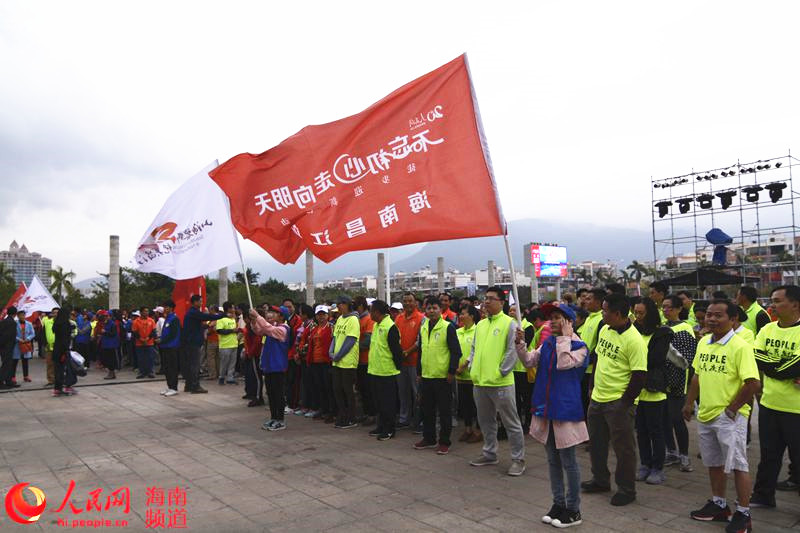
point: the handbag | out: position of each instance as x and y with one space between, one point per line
25 347
675 357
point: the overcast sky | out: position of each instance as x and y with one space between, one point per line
106 107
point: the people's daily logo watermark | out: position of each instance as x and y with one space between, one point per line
21 511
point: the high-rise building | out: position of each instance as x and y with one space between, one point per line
25 264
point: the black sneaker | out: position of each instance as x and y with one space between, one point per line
385 436
554 512
248 397
592 486
787 485
758 501
711 512
198 390
619 499
255 402
740 523
567 518
374 433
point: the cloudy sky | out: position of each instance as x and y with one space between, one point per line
108 106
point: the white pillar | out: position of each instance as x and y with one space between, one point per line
309 277
490 273
382 277
113 273
440 274
223 285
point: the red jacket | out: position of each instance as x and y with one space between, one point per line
319 342
252 343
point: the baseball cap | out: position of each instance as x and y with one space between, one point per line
397 305
321 309
136 313
344 299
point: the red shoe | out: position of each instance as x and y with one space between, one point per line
443 449
57 392
27 379
14 380
424 445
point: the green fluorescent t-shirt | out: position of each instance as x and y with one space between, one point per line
617 356
227 340
346 326
775 344
722 369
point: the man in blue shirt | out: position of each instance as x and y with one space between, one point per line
193 343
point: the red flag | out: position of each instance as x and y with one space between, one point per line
183 291
413 167
15 299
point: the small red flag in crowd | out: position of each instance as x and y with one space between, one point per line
413 167
183 291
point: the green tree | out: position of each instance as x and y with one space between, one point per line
252 277
60 281
636 271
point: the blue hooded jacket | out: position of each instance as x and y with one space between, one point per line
275 354
557 393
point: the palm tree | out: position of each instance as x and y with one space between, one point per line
61 281
6 275
637 270
252 277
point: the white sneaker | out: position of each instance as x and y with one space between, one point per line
163 392
288 410
170 392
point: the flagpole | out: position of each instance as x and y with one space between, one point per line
244 270
513 277
388 283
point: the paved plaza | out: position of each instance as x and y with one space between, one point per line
236 477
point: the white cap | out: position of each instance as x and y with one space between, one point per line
397 305
321 309
370 300
136 313
159 309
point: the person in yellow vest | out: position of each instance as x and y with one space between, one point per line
687 308
383 367
679 373
344 354
757 317
652 401
740 330
227 328
658 290
440 352
726 378
777 353
619 375
491 363
49 339
588 333
468 318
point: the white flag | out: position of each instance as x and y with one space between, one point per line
192 235
37 298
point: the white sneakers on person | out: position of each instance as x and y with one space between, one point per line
170 392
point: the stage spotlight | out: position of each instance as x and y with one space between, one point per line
778 164
713 176
775 191
684 204
705 201
663 208
656 185
751 193
724 174
699 178
759 167
726 198
767 166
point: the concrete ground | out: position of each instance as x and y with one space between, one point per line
239 478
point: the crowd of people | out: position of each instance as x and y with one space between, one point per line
594 369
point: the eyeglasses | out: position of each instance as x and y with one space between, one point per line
492 299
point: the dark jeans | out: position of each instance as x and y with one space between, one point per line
275 382
7 368
365 391
305 392
253 379
384 391
146 356
191 370
321 390
343 381
777 431
59 370
562 462
169 363
613 422
466 403
436 394
674 423
24 367
523 391
650 433
293 384
109 358
586 393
